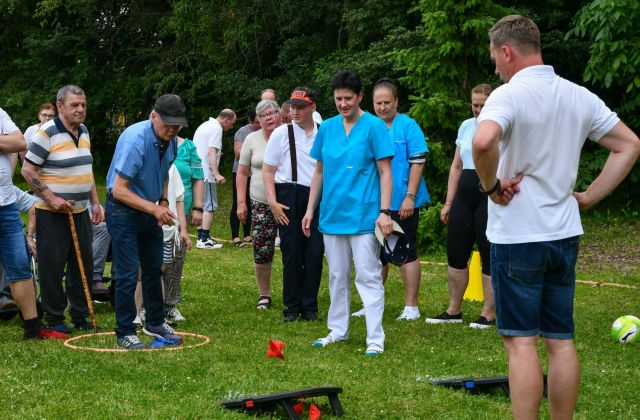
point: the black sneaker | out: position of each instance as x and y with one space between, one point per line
445 318
309 316
82 325
61 328
482 323
290 317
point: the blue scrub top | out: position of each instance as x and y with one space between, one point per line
350 182
465 138
408 140
137 159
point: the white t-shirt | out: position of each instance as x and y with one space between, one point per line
208 135
317 118
545 120
7 193
277 154
175 193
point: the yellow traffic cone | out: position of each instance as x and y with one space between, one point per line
474 289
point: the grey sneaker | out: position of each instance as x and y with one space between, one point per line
174 314
163 331
131 342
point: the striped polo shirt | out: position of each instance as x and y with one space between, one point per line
65 162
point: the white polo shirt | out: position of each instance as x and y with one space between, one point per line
207 135
7 194
545 121
278 154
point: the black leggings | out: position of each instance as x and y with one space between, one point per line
233 214
468 223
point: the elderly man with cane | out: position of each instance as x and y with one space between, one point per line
58 167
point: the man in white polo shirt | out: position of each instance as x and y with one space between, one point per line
287 178
526 152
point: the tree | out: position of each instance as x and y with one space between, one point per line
612 28
449 56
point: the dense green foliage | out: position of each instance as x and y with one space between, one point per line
124 53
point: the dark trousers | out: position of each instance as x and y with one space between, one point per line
56 252
301 256
233 214
136 245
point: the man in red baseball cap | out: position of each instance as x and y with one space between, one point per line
286 173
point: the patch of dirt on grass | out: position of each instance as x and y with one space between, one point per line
616 246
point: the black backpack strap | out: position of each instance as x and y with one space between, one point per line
292 152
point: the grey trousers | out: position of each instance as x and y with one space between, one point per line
101 242
172 277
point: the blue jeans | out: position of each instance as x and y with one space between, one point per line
136 244
534 285
14 254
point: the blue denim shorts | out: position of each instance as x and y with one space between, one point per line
14 254
534 285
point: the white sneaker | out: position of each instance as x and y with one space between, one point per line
409 314
137 322
325 341
208 244
174 315
358 314
374 349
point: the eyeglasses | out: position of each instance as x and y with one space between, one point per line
48 116
268 115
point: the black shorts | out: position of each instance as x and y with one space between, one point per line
410 228
468 223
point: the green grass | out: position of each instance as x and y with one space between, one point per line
48 380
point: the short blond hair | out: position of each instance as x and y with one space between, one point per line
482 89
517 30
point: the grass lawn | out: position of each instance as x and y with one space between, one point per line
48 380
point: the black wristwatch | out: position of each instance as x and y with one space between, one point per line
492 190
385 211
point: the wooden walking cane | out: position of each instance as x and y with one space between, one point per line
85 286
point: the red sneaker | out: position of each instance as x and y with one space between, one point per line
49 334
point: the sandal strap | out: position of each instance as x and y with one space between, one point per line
264 301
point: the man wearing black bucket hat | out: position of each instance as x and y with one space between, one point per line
136 181
287 172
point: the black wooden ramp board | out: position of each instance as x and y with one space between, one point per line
479 385
287 400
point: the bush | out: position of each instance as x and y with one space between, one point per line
432 233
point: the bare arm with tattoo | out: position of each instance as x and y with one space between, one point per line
31 174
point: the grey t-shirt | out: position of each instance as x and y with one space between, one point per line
240 135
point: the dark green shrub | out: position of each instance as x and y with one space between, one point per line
432 233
